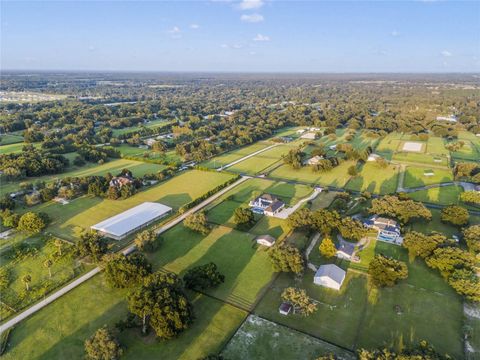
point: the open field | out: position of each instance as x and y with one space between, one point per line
436 145
13 147
374 179
443 195
69 220
467 151
152 124
63 269
6 139
234 155
258 338
419 158
337 177
59 330
323 200
257 163
90 169
361 316
135 151
414 177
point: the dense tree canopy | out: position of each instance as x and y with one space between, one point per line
385 271
126 271
203 277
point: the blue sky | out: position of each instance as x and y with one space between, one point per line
248 35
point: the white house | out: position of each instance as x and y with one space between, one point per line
314 160
309 136
150 142
333 147
301 131
345 250
451 118
265 240
266 204
330 276
373 157
388 229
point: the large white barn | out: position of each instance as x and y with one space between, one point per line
119 226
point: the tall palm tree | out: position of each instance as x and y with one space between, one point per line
27 279
48 264
59 244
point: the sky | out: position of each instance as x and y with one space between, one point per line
241 36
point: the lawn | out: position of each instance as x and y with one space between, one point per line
414 177
437 225
7 139
374 179
389 144
323 200
257 163
468 151
234 155
436 145
258 338
336 177
13 147
59 330
443 195
221 211
410 157
64 268
361 316
90 169
135 151
152 124
69 220
339 314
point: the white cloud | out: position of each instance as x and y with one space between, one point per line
395 33
225 46
446 53
237 46
252 53
252 18
92 48
175 32
194 26
250 4
261 37
233 46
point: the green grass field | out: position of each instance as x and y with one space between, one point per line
151 125
323 200
59 330
419 158
90 169
414 177
14 147
258 338
361 316
257 163
338 176
7 139
135 151
71 219
234 155
436 145
443 195
374 179
63 269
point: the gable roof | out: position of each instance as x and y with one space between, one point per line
267 238
331 271
275 206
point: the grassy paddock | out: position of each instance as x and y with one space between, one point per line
374 179
414 177
257 163
7 139
71 219
443 195
337 177
234 155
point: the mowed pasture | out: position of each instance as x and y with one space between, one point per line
234 155
114 167
59 330
150 125
15 147
375 179
256 164
149 154
443 195
68 221
6 139
415 176
337 177
361 316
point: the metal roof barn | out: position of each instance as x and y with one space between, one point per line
127 222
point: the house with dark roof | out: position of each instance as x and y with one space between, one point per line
266 204
120 181
345 250
388 229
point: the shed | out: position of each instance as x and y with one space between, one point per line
330 276
266 240
285 308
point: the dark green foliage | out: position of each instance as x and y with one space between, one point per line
455 215
419 244
32 223
472 238
243 216
203 277
352 229
294 158
162 305
197 222
91 244
403 210
103 346
146 240
286 258
385 271
126 271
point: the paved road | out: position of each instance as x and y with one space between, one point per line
246 157
285 213
38 306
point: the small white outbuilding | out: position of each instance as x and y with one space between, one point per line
330 276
